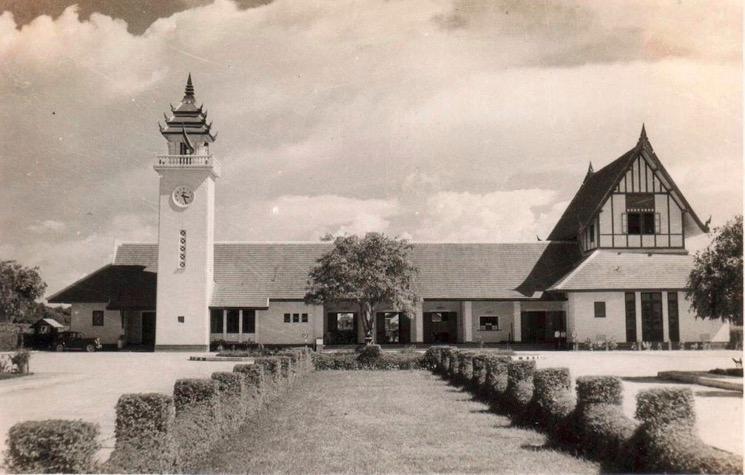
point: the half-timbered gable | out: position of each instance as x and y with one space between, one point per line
632 203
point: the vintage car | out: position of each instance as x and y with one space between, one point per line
75 341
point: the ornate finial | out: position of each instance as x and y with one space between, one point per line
590 172
189 91
643 135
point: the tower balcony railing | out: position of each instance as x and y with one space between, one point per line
163 162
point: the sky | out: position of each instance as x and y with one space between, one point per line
433 120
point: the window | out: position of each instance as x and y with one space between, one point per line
304 317
216 320
98 318
640 213
181 319
295 318
599 309
233 321
249 321
592 233
287 318
345 321
489 323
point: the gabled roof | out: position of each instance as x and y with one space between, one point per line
250 274
606 270
597 186
121 286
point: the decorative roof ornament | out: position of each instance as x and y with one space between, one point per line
187 120
643 135
590 172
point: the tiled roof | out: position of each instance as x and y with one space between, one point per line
590 197
605 269
121 286
247 274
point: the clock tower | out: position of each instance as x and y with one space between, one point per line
186 228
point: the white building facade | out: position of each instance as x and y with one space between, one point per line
614 268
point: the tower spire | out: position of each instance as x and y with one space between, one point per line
590 172
189 90
643 135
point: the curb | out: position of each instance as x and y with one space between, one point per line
698 378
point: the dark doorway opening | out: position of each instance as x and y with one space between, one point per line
392 328
652 316
148 328
542 326
440 327
341 328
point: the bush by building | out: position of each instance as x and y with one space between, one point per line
519 390
361 361
198 421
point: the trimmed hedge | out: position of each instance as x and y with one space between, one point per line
604 431
272 374
231 388
478 378
666 440
253 376
432 359
446 359
454 366
354 361
465 368
144 434
496 377
198 418
599 389
52 446
519 390
553 403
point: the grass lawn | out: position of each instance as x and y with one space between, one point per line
385 421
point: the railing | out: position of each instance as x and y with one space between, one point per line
184 161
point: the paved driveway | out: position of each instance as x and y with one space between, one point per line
719 413
87 385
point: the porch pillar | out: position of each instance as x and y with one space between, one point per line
665 319
638 315
224 324
467 311
516 322
417 329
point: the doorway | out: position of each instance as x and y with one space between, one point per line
541 326
341 328
440 327
392 328
148 328
652 316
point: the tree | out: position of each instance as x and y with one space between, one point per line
715 283
368 271
20 286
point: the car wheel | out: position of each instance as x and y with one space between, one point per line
90 348
59 347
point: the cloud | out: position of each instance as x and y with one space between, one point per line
48 225
352 116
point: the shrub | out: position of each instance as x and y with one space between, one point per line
144 434
231 388
353 361
727 371
198 419
519 390
52 446
599 389
465 368
272 374
551 396
432 359
478 379
253 397
666 440
454 366
285 365
604 431
21 359
496 377
446 360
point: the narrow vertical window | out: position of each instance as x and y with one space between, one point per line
599 309
216 320
232 324
672 316
630 317
97 318
249 321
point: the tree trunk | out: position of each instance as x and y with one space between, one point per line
366 312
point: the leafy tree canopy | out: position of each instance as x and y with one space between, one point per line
369 271
20 286
715 283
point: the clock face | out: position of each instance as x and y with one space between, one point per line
182 196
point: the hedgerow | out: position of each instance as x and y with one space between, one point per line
198 418
519 390
552 404
253 376
355 361
496 377
144 435
52 446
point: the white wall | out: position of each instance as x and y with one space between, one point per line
272 329
503 310
185 292
581 319
82 321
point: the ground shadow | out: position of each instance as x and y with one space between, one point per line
718 393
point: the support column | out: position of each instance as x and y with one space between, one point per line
467 310
224 324
665 319
516 322
240 324
417 329
638 315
